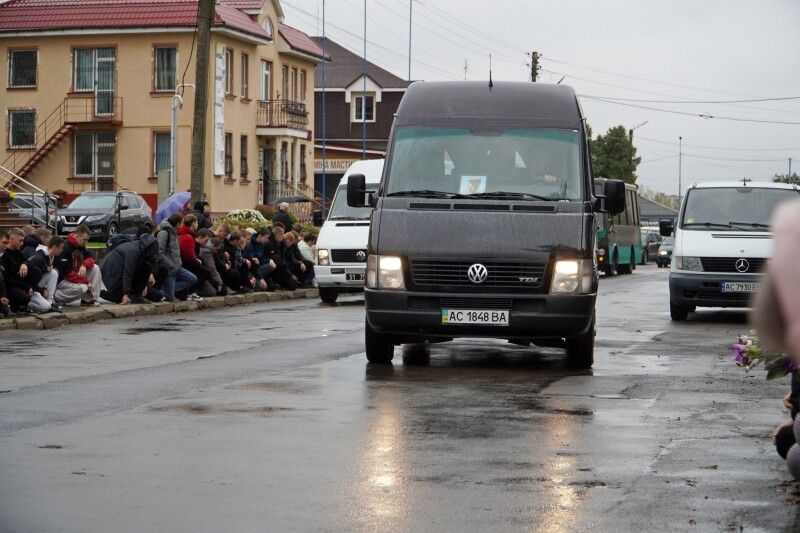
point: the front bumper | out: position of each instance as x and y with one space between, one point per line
704 289
99 229
418 315
335 276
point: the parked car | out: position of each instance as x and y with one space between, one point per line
30 208
664 256
651 240
106 214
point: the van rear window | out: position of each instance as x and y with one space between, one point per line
544 163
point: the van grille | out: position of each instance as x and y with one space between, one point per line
347 256
500 275
728 264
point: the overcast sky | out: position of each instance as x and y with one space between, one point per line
707 50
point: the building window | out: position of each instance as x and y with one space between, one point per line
268 27
22 128
161 151
245 75
22 66
94 156
166 68
303 162
294 85
303 88
285 83
284 161
94 69
228 71
363 106
266 80
243 157
228 155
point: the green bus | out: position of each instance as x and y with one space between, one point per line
619 238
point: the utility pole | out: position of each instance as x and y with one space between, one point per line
680 168
790 167
535 66
630 131
205 13
466 68
410 13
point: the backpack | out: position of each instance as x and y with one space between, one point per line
118 239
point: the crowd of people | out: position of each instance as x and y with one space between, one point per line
183 259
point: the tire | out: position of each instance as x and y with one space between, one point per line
627 269
678 313
113 229
645 257
580 350
611 268
380 348
328 295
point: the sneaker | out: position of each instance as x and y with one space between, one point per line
139 300
91 303
194 297
55 308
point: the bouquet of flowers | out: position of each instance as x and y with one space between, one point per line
6 195
748 354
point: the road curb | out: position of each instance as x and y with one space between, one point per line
106 312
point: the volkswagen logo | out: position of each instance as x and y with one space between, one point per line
477 273
742 265
361 255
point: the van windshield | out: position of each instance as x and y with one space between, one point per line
732 208
341 211
518 163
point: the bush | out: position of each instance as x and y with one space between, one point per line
244 218
310 229
267 210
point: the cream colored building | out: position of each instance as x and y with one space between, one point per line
87 99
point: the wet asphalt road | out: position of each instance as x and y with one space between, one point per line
267 418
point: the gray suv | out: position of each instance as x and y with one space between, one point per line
106 214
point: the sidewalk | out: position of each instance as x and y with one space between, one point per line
84 315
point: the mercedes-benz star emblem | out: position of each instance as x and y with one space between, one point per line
361 256
742 265
477 273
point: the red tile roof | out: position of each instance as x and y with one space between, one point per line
44 15
301 42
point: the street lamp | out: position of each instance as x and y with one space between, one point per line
630 131
177 102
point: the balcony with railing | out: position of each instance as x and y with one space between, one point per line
282 114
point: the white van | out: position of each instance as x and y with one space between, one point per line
722 242
342 242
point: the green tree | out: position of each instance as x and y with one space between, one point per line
786 178
614 156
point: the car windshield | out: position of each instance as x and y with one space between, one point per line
668 241
341 211
732 208
93 201
513 163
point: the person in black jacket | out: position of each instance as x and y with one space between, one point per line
12 262
43 277
127 268
4 309
282 216
40 237
784 434
203 213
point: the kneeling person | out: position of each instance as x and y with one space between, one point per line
127 268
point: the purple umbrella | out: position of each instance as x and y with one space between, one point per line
173 204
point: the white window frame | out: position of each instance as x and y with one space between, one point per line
244 75
357 101
155 68
303 85
266 79
11 113
95 174
155 150
11 53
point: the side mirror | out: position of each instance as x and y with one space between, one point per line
614 192
123 207
666 227
356 189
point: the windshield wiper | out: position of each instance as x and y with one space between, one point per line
426 193
708 225
346 218
751 224
505 194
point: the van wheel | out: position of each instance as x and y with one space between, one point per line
328 295
678 313
380 348
580 350
610 268
645 257
627 269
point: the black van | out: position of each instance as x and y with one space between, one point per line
484 222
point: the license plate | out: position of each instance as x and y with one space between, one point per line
474 317
354 277
738 286
68 228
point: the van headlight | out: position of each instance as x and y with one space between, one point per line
572 277
692 264
323 258
662 252
385 272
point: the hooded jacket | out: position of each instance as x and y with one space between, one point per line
186 244
203 220
11 262
72 258
121 265
30 244
169 253
207 257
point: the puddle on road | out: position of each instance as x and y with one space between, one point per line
206 409
290 387
166 326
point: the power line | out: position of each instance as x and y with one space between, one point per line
692 101
690 114
673 143
658 159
